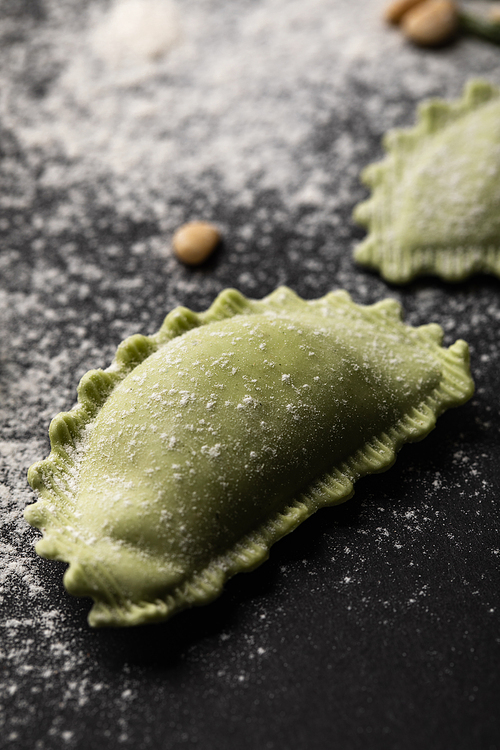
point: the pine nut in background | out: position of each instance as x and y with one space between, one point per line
194 242
431 23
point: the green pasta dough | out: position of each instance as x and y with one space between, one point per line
203 444
435 204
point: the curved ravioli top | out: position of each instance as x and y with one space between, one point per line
435 206
205 443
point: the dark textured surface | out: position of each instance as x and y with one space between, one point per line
375 624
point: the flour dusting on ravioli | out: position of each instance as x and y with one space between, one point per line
203 444
435 204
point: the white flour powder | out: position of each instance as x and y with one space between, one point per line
134 32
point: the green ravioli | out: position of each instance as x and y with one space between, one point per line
202 445
435 204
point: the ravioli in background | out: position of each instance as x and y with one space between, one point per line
435 204
205 443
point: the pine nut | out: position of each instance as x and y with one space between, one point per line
431 23
194 242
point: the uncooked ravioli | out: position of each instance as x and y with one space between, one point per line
205 443
435 204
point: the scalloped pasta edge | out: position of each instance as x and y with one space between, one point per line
52 477
400 266
452 264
